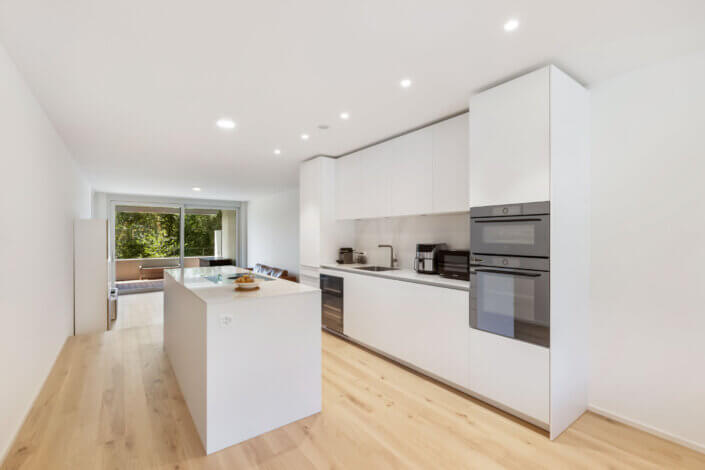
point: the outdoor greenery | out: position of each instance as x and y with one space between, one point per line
156 235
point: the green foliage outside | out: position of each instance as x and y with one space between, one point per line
154 235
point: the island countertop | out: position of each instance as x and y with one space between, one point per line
210 291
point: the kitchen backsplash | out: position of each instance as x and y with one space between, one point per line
405 232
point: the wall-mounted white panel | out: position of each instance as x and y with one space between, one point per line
509 142
375 182
570 250
347 187
450 165
412 180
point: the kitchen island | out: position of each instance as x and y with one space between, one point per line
246 362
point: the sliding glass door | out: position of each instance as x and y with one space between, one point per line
146 238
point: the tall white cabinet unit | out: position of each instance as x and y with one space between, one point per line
422 172
320 234
529 142
90 266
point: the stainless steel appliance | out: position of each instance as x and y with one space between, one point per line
332 303
454 264
509 296
345 256
513 230
510 271
426 260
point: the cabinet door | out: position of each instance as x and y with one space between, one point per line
509 142
376 170
435 323
347 187
450 165
309 212
412 179
510 372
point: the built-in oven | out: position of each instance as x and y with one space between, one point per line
512 230
509 296
332 303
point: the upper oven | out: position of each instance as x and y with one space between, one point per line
513 230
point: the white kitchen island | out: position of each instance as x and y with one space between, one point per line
246 362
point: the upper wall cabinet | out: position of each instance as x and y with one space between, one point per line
422 172
510 142
375 181
411 181
450 165
347 187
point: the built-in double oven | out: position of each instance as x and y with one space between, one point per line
510 271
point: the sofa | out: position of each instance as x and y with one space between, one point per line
274 272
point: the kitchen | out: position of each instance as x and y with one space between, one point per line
472 304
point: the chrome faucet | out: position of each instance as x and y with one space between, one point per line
391 254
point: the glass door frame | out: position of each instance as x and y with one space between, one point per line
113 201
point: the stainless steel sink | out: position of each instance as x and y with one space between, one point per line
377 268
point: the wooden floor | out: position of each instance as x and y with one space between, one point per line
112 402
136 310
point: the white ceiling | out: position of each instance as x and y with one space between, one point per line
135 86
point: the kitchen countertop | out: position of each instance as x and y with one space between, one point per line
407 275
194 279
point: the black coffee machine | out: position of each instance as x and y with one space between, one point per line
426 261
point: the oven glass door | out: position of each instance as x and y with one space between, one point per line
512 303
516 236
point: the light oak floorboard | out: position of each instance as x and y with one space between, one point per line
112 402
135 310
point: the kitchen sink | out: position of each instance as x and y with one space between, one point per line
377 268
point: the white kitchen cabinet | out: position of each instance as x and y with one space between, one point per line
320 235
510 142
90 260
450 165
412 179
310 212
347 187
424 326
510 373
375 181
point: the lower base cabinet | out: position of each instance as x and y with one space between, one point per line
510 373
309 276
428 328
422 325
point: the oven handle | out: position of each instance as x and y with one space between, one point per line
504 220
510 273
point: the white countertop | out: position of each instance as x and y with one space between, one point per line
407 275
194 279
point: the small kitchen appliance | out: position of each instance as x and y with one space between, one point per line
426 261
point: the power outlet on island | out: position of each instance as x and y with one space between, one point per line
226 319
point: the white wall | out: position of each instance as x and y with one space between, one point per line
273 231
648 248
42 192
403 233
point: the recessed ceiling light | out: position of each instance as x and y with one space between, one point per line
225 123
277 152
323 127
405 83
511 25
344 115
196 188
304 136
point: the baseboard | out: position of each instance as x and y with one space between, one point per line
649 429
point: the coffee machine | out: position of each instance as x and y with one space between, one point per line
426 261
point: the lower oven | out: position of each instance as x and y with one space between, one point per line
509 296
332 303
